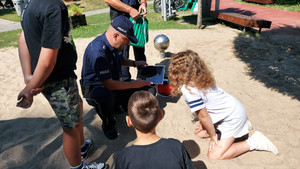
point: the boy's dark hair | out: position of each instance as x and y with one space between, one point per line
143 110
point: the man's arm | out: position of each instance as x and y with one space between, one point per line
128 62
45 65
117 4
24 57
118 85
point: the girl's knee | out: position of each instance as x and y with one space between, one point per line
214 156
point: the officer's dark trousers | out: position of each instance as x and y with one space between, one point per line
107 102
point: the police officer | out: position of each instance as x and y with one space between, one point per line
101 73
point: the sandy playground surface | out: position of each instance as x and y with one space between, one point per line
263 73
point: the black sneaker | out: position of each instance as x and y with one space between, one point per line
110 131
89 144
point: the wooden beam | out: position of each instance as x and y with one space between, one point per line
199 16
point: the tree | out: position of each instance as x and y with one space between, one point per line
199 16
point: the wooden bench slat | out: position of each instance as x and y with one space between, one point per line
241 19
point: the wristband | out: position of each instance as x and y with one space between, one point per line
133 64
144 3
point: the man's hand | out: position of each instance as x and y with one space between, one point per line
25 99
140 63
37 90
140 83
135 14
143 9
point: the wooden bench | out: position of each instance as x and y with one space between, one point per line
262 1
240 19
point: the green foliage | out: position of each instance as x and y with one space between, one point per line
74 10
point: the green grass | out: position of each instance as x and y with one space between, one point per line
97 24
288 5
9 39
90 5
85 5
9 14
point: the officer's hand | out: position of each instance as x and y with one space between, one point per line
139 83
140 63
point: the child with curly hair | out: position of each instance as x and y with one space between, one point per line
222 117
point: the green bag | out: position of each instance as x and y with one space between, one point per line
140 27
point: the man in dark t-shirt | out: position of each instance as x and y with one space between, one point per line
48 60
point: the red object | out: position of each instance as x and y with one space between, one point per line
164 89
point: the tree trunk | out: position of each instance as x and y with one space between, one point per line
199 16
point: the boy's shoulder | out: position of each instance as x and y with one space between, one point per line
171 140
163 142
166 149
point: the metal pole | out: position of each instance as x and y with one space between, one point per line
163 9
170 12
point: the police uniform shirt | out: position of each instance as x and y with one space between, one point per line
101 62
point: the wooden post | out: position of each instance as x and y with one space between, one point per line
199 16
217 5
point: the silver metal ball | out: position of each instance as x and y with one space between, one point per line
161 42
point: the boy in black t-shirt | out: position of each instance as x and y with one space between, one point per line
149 150
48 59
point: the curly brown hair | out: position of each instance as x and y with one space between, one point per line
187 68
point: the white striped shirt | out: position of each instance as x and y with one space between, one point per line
218 103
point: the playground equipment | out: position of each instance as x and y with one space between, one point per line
240 19
161 43
175 5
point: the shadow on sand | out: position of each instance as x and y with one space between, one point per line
278 67
40 139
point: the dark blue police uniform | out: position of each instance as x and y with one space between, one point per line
100 63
